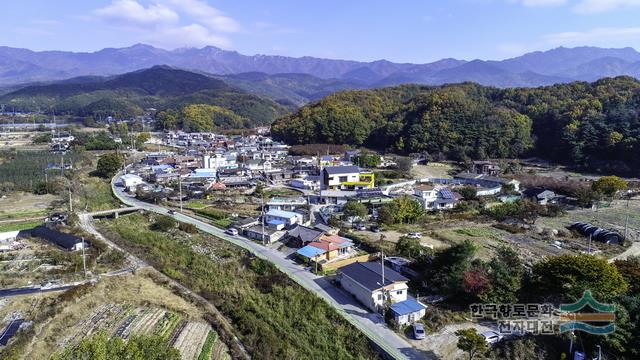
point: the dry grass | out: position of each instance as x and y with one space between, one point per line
23 205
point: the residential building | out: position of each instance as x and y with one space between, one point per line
268 234
485 168
346 178
288 218
258 165
286 203
541 196
217 161
300 236
408 311
436 197
309 183
130 181
327 248
365 282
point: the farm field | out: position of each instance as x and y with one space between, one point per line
23 205
613 217
432 170
143 308
255 297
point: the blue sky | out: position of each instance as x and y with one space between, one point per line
402 30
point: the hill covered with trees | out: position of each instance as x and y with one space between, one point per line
594 126
128 95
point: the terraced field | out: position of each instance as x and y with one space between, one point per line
118 307
193 338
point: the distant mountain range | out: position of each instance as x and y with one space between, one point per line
533 69
129 94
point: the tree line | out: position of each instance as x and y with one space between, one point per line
592 126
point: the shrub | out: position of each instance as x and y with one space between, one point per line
188 228
163 223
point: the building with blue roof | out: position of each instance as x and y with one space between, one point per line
408 311
310 252
288 218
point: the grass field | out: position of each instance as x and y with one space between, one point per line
613 217
269 193
486 237
19 225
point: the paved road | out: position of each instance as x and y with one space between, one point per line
372 325
9 331
30 290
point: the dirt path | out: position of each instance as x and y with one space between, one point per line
443 344
633 250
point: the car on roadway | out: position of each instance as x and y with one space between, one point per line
171 212
232 232
418 331
414 235
360 227
375 228
491 337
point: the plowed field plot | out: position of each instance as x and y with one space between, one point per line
191 339
122 307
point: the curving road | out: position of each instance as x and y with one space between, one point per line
372 325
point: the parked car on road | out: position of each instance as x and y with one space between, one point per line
171 212
232 232
375 228
414 235
418 331
360 227
491 337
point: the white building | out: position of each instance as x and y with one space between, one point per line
364 281
130 181
310 183
408 311
217 161
288 218
435 197
286 203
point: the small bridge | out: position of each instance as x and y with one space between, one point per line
115 212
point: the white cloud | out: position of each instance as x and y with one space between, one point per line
539 3
193 35
170 23
598 6
603 36
132 12
206 14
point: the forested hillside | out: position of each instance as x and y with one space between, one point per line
593 126
128 95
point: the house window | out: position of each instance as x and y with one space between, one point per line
379 296
343 179
399 292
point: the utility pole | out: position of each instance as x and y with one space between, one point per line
84 261
626 221
262 218
589 244
70 202
382 272
180 186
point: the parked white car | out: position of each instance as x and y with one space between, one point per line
232 232
491 337
414 235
